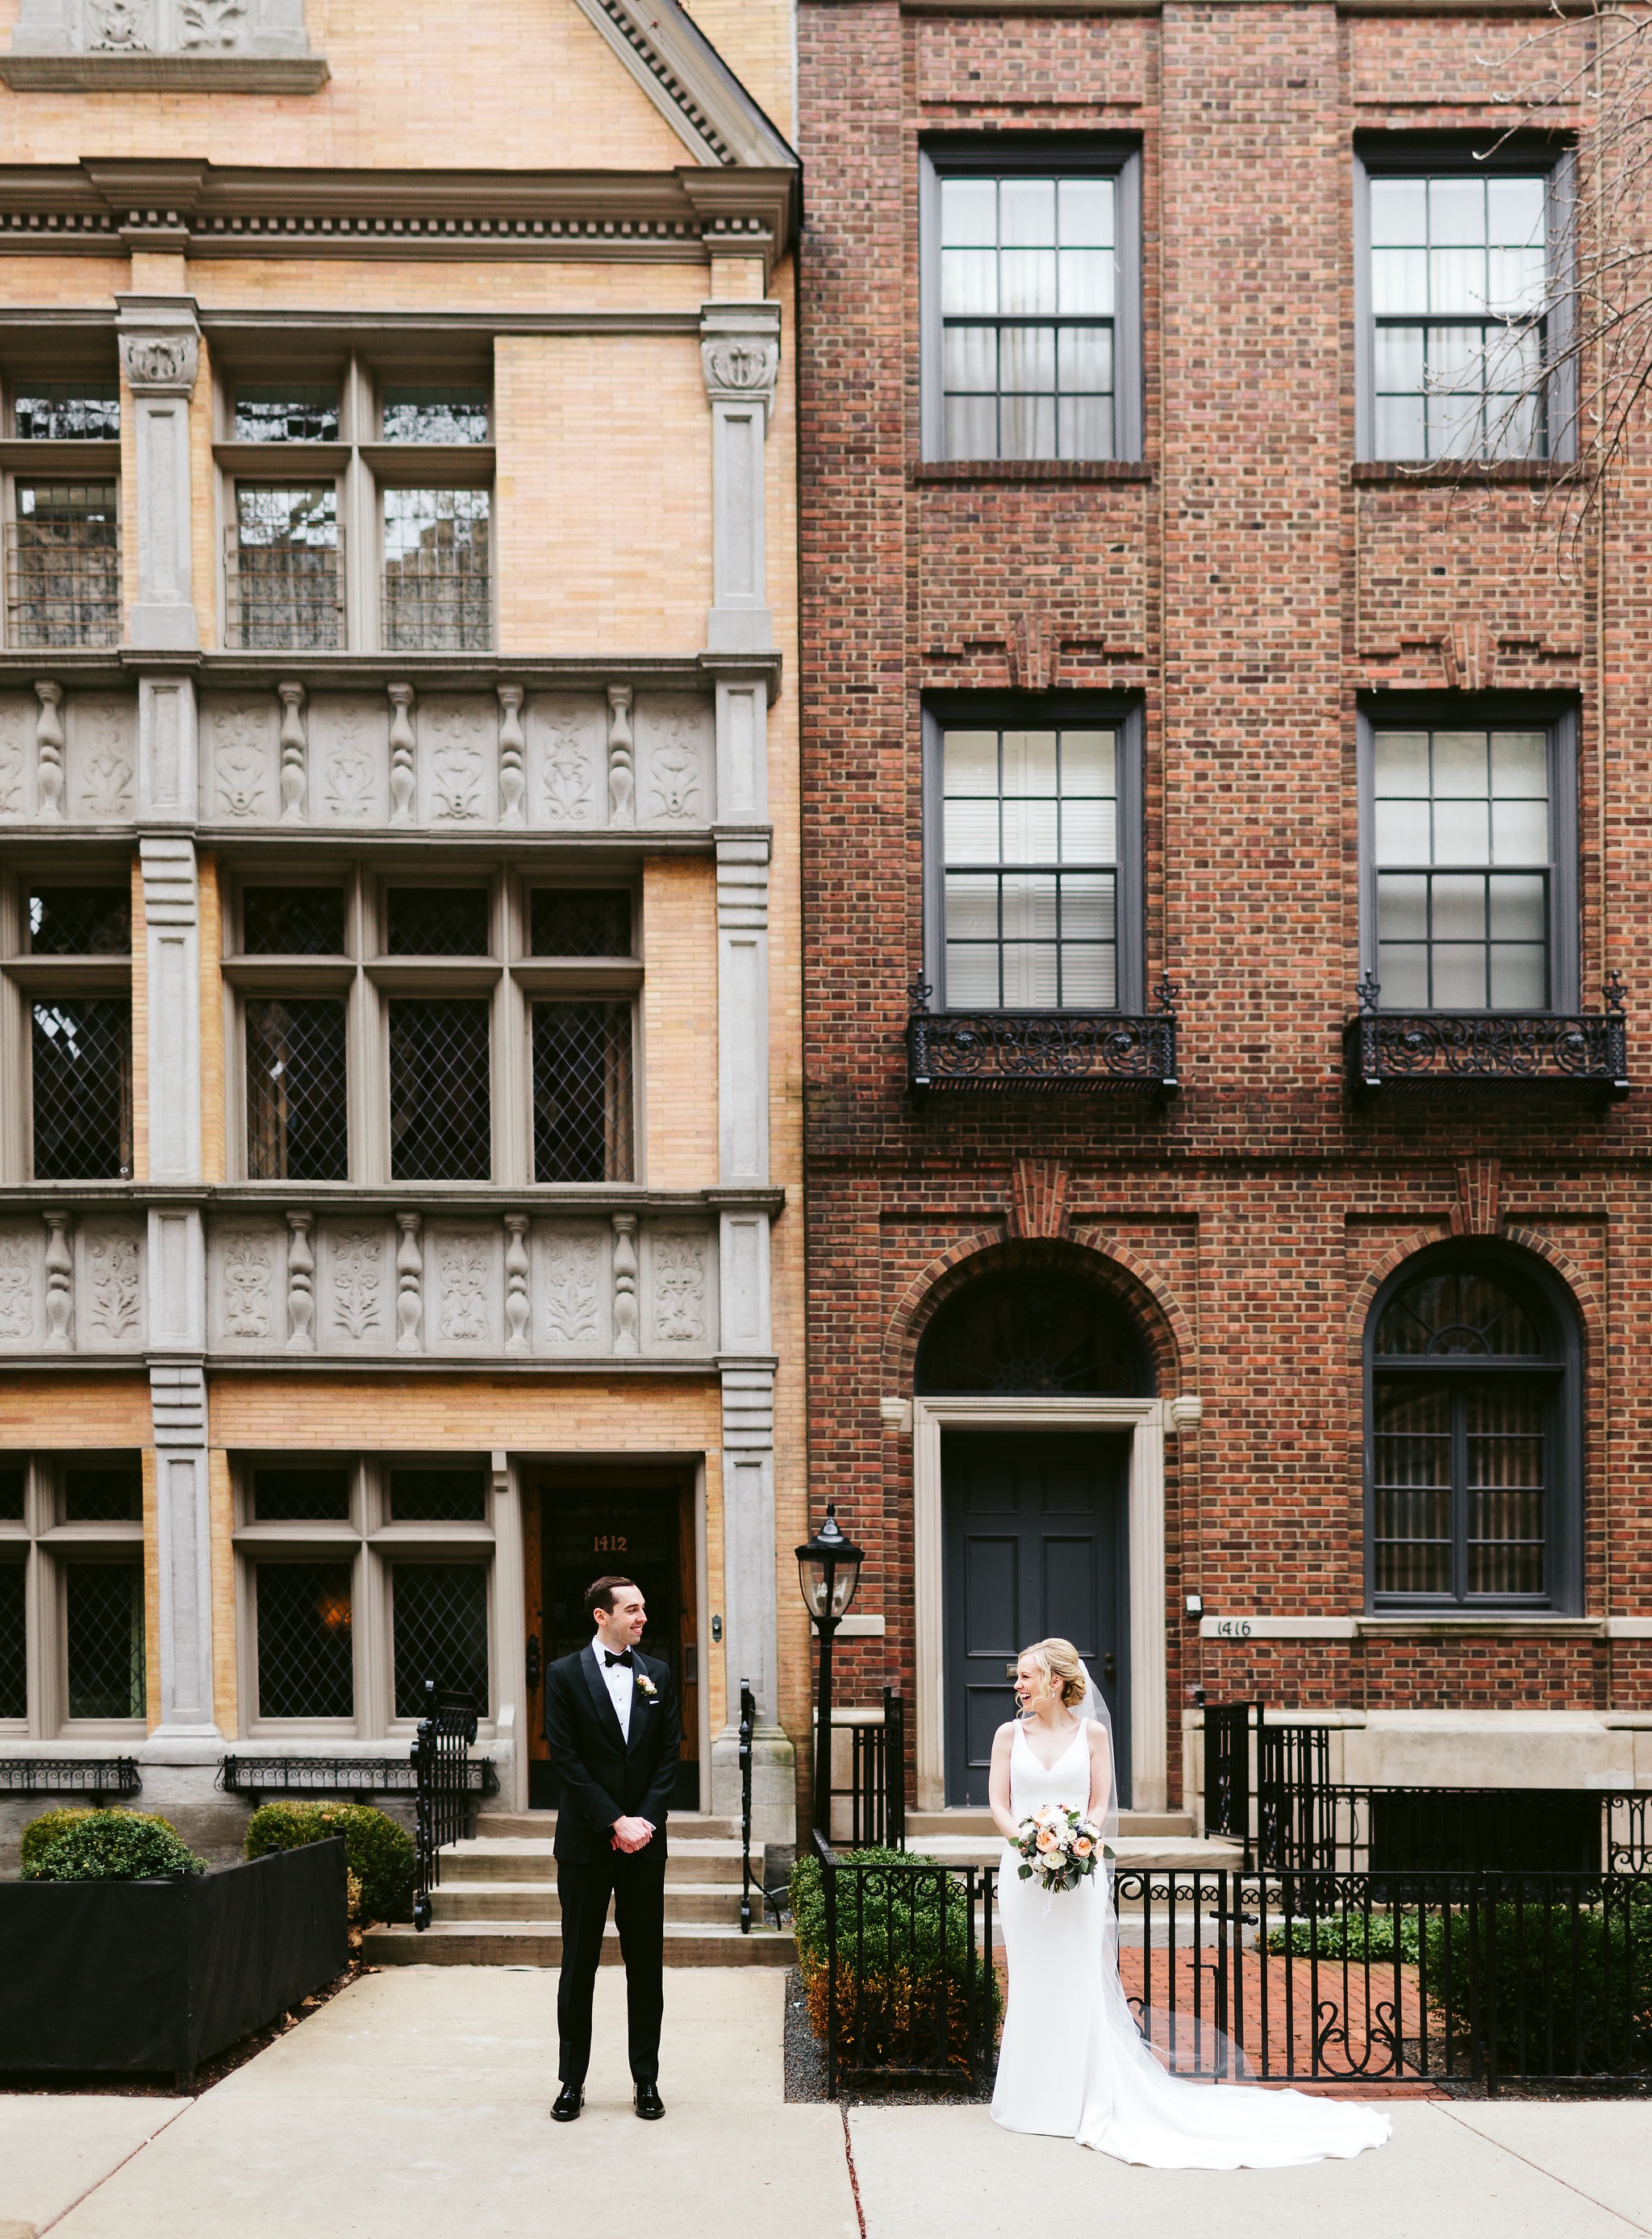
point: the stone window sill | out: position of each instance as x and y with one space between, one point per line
80 73
1430 473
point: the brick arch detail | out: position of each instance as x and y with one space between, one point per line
1133 1282
1541 1247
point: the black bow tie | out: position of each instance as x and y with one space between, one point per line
610 1659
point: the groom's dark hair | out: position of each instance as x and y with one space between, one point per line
601 1592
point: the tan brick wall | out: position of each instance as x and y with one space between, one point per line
604 494
680 1022
57 1409
380 284
140 1027
467 1413
755 38
213 1121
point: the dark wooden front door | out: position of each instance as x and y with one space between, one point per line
577 1532
1035 1526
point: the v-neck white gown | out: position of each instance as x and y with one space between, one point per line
1072 2064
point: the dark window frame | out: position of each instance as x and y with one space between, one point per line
1030 710
1535 1284
1055 154
1402 155
1490 711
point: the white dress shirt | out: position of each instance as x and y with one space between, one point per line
617 1677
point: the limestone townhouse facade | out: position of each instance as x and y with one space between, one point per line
400 1064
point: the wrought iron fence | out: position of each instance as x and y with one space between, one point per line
768 1899
1040 1050
340 1776
877 1778
62 1776
442 1809
1228 1788
897 1962
1321 1826
1466 1049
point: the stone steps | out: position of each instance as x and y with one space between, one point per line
493 1859
965 1821
539 1943
530 1826
691 1901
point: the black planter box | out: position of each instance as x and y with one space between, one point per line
157 1976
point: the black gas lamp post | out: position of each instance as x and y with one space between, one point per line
828 1570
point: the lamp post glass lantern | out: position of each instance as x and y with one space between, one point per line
828 1570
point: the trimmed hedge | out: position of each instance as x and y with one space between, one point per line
379 1853
1595 1963
40 1834
113 1846
914 1946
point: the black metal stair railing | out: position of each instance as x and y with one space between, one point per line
441 1759
1468 1049
1041 1051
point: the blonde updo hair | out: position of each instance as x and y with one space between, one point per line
1060 1663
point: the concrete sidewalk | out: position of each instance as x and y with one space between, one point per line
415 2105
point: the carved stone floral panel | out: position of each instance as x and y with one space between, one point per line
458 759
100 743
246 1271
22 1274
572 1287
356 1283
676 740
17 754
349 756
566 759
677 1271
464 1288
239 757
109 1285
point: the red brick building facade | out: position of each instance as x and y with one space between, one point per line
1143 642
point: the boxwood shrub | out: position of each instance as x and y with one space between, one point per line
112 1846
904 1959
379 1853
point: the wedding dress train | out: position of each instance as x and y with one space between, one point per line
1073 2062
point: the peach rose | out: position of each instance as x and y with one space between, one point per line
1048 1839
1084 1846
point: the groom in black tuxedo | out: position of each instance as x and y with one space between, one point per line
611 1720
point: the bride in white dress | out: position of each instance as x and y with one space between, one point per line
1073 2062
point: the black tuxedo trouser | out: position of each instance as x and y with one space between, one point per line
637 1883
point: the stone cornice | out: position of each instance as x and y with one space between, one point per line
104 207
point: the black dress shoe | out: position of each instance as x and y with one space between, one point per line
649 2105
569 2100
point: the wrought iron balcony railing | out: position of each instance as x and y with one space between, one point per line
284 594
1468 1049
1040 1050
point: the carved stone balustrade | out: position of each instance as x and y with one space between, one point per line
72 1282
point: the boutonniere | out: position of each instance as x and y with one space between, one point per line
644 1684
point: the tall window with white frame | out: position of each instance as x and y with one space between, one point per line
76 967
1462 324
1029 335
62 526
1470 885
72 1638
316 471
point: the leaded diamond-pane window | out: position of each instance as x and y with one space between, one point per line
13 1642
107 1494
444 415
307 1496
437 574
441 1113
583 1095
67 412
1459 289
80 921
441 1627
1464 861
1029 282
288 412
12 1484
1031 840
580 921
437 920
104 1608
292 921
438 1496
82 1089
305 1668
286 581
62 565
297 1127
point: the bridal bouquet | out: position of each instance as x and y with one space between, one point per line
1060 1845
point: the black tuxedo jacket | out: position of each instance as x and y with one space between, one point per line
605 1776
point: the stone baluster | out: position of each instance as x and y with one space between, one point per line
295 776
512 749
409 1284
48 751
301 1283
403 778
625 1282
622 774
60 1283
517 1300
